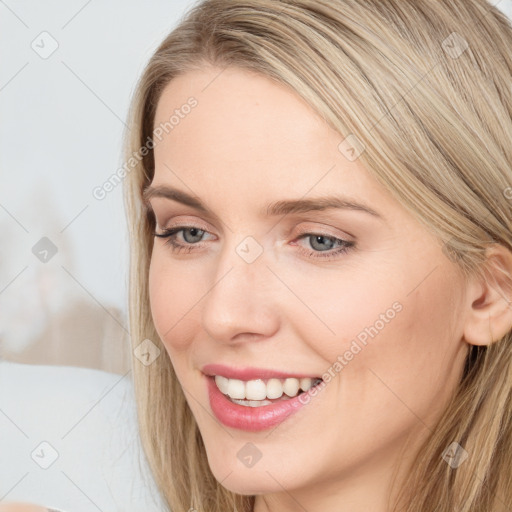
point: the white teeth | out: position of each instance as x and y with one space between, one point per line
274 388
222 383
258 389
236 388
291 387
255 390
306 383
252 403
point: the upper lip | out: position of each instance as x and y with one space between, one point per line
251 373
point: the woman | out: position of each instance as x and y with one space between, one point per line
320 197
370 373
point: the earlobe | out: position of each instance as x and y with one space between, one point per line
489 299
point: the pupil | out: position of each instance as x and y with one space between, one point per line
320 239
194 231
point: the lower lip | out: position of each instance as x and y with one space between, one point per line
251 419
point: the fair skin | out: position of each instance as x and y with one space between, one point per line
250 142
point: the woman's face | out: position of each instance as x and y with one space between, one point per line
365 299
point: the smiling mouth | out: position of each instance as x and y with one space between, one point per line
260 392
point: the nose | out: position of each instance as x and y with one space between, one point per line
240 305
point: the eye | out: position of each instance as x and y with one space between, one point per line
320 242
170 234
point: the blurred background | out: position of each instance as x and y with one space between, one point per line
68 72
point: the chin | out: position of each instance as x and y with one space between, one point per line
250 484
261 478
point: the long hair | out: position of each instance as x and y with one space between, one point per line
424 87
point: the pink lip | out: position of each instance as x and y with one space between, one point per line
249 373
251 419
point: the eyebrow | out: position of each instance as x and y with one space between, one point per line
282 207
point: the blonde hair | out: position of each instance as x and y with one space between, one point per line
425 87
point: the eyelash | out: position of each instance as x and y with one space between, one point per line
180 248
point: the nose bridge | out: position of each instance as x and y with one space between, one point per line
243 264
239 298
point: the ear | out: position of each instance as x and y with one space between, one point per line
489 314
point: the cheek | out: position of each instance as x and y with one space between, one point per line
412 361
392 330
344 311
173 292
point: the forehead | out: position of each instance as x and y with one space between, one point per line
240 113
250 133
